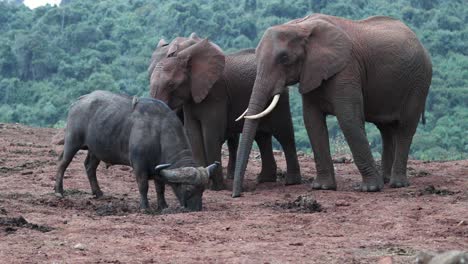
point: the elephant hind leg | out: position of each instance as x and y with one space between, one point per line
387 132
403 138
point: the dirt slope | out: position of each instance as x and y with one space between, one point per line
264 226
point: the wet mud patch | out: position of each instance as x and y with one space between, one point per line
302 204
433 190
11 225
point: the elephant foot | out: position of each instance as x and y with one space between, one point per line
162 205
324 183
371 185
267 176
386 179
399 182
293 178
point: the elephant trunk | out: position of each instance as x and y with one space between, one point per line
257 103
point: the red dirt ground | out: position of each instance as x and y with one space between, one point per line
353 227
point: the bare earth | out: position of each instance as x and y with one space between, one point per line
263 226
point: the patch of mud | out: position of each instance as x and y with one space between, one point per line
115 208
302 204
12 223
433 190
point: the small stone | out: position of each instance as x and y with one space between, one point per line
79 246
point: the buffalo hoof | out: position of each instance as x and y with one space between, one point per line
98 194
292 179
400 183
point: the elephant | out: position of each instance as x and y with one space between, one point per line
213 88
163 51
373 70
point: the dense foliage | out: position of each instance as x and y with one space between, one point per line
51 55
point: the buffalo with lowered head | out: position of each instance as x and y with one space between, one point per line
142 133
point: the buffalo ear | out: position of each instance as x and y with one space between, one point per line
206 66
328 51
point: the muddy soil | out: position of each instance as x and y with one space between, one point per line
271 223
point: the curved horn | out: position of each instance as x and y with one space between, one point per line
243 114
187 175
266 111
212 168
161 167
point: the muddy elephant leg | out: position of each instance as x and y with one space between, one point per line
268 173
66 158
141 176
233 143
388 150
403 139
314 121
212 143
160 188
91 163
350 115
285 137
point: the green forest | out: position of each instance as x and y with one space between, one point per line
51 55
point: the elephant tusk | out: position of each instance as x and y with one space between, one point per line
242 116
265 112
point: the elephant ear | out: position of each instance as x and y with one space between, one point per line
205 62
328 51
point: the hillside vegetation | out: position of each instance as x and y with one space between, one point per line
51 55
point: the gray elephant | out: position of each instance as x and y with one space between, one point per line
213 89
144 134
163 50
373 70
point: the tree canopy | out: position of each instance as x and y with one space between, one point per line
51 55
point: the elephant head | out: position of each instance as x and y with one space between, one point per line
188 73
305 51
188 183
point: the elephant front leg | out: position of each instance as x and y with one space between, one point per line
285 136
350 115
233 143
195 135
268 173
317 131
212 144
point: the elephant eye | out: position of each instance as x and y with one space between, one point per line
283 59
